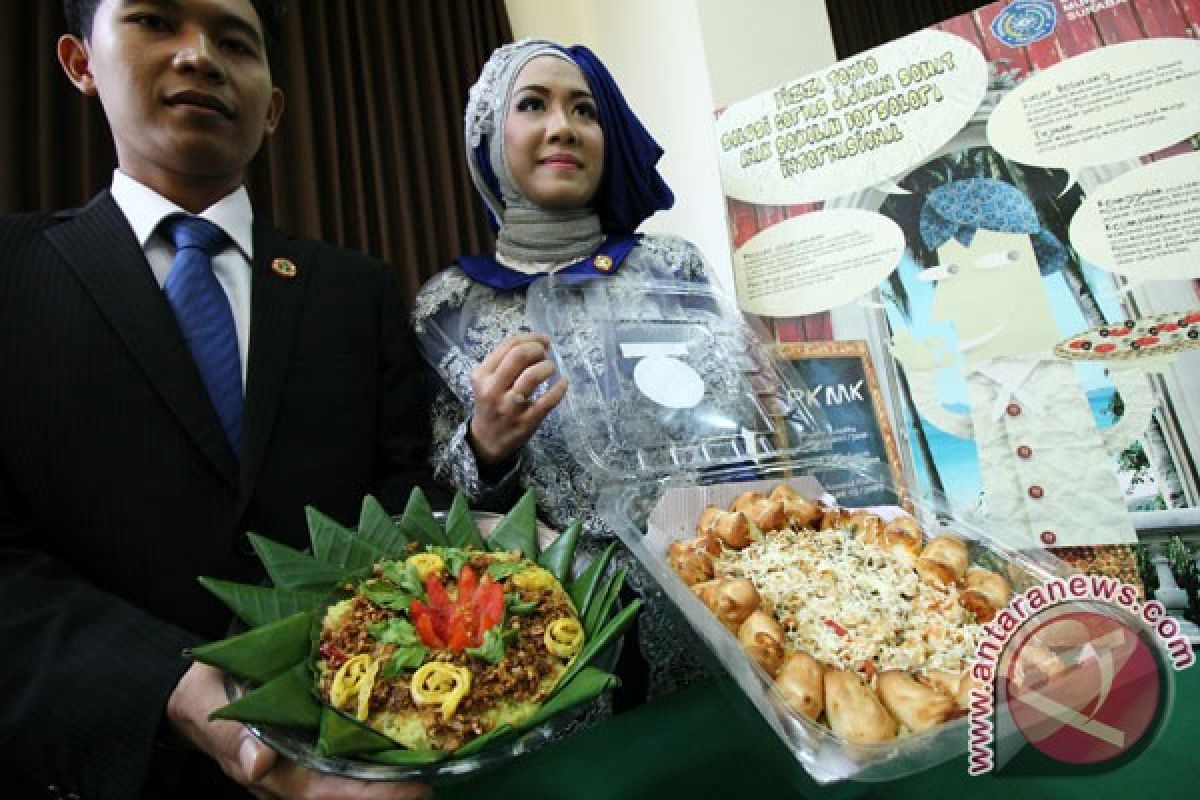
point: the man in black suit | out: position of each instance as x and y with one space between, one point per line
119 483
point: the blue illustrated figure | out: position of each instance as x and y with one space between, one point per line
1047 471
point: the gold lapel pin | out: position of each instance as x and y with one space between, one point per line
603 263
284 268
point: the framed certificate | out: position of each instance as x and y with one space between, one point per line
840 378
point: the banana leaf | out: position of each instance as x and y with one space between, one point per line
418 523
615 627
461 530
583 588
286 701
400 757
559 557
518 529
259 605
377 528
340 735
588 684
262 653
602 604
334 544
289 568
285 622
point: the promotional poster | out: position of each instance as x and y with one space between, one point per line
1003 211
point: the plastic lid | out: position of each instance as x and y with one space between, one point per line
666 377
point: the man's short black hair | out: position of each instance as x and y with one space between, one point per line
81 13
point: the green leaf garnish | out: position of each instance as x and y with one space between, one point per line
406 577
386 594
417 522
407 657
289 568
454 557
340 735
376 528
603 601
401 758
559 557
515 605
262 653
395 631
461 530
585 586
259 605
518 529
615 627
334 544
286 700
500 570
492 648
588 683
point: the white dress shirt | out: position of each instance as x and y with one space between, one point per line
146 208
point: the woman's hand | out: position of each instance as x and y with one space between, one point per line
248 761
505 417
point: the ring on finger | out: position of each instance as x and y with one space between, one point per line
517 398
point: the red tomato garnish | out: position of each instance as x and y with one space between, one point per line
468 582
1104 348
838 629
1076 344
490 601
457 623
425 622
459 635
1190 319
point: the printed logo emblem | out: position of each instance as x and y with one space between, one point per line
1083 688
1025 21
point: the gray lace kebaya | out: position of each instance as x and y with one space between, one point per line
527 235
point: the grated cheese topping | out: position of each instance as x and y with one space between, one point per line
847 603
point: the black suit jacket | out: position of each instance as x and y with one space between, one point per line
118 488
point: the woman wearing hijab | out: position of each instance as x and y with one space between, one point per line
567 172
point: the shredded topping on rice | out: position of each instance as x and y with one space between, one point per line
848 603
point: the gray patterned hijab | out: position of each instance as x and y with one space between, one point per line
527 235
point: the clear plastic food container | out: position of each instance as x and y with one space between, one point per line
666 378
648 521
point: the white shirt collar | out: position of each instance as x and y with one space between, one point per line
146 208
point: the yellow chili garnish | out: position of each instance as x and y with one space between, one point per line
426 563
534 578
353 683
440 683
564 637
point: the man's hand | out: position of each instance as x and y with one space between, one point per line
252 764
505 417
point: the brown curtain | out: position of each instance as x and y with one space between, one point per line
859 25
369 154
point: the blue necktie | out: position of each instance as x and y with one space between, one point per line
204 316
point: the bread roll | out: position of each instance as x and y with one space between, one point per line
801 682
916 706
855 712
